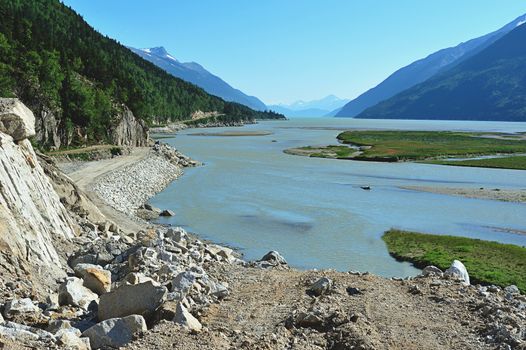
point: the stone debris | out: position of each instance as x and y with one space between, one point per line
95 277
72 292
321 286
138 299
185 319
129 188
115 332
168 278
271 259
20 306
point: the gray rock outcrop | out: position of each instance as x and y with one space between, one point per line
139 299
115 332
129 130
31 214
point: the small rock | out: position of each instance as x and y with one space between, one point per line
431 271
186 319
73 292
176 234
459 270
115 332
512 289
70 339
183 282
415 289
138 278
56 325
353 291
274 257
321 286
167 212
20 306
17 334
139 299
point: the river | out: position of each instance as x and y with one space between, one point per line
252 196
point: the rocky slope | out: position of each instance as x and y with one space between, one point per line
31 214
161 287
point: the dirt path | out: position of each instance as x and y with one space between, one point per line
385 314
88 174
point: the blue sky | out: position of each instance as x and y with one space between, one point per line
286 50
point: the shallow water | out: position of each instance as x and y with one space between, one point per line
252 196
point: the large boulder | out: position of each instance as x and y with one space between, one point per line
139 299
115 332
458 269
16 119
95 277
73 292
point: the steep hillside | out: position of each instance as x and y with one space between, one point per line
488 86
424 69
31 214
80 83
198 75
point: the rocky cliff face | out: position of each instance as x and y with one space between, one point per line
129 131
31 214
47 128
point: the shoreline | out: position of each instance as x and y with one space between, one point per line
503 195
120 186
266 302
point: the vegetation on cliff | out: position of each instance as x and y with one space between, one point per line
487 262
49 54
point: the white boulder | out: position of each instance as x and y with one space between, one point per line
459 270
16 119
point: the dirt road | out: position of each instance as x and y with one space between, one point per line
88 173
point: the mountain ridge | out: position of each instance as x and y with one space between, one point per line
423 69
195 73
487 86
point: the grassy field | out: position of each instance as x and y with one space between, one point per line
424 146
487 262
420 145
516 162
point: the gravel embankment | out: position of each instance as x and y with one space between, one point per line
126 189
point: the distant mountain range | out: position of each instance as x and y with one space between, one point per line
196 74
490 85
316 108
421 70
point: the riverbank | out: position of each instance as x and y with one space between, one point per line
267 305
423 146
504 195
488 262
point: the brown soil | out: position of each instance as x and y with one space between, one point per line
388 314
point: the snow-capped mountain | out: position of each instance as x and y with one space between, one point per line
315 108
198 75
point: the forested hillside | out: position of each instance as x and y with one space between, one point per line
488 86
60 66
